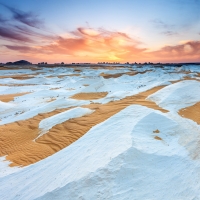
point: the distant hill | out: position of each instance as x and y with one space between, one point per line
20 62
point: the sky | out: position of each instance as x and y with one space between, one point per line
100 31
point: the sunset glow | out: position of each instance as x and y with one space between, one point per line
120 33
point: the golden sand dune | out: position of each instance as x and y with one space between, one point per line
192 112
185 78
61 76
89 96
16 139
73 75
15 67
108 67
10 97
19 77
106 76
116 75
77 70
13 85
6 68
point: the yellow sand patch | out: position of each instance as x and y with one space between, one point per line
89 96
132 73
156 131
73 75
192 112
10 97
16 85
157 138
51 76
106 76
19 77
61 76
50 100
185 78
77 70
16 140
6 68
107 67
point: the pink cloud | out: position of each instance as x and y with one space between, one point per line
87 44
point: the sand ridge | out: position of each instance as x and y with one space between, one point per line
21 150
16 140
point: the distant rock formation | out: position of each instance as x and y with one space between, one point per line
20 62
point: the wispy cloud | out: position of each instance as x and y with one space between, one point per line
161 24
11 34
24 49
188 51
104 45
166 29
169 33
29 18
24 30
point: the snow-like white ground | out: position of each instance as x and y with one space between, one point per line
43 89
119 158
108 163
177 96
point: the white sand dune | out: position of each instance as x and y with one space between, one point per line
179 95
115 165
122 132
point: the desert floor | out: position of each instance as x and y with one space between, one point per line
109 132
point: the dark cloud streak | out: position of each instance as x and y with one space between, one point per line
10 34
19 48
28 18
23 32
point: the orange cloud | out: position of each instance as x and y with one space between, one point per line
98 45
93 45
188 51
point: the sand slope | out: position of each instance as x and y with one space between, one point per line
100 165
22 150
121 132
